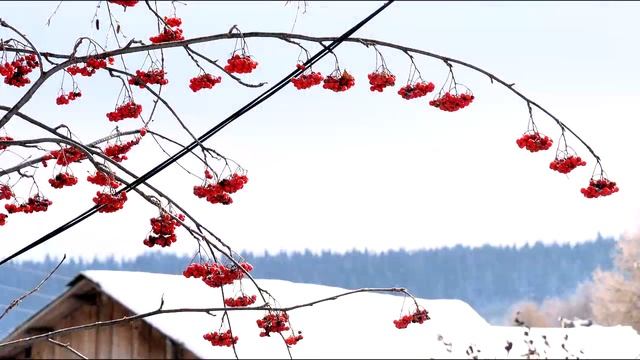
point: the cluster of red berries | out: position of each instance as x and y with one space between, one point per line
5 192
173 21
125 3
336 83
124 111
451 103
151 77
292 340
103 179
3 219
273 323
164 227
63 179
64 156
219 192
204 81
15 73
416 90
65 99
241 301
90 66
110 202
5 138
534 142
380 80
221 339
419 317
600 187
170 33
241 64
117 151
216 275
36 203
566 165
306 81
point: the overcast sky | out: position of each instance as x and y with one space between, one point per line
363 170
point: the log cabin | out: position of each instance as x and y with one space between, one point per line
84 303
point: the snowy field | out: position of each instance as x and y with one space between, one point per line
356 326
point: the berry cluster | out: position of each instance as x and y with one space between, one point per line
381 79
600 187
124 111
110 202
36 203
416 90
117 151
336 83
305 81
3 219
219 192
124 3
151 77
170 33
63 179
5 192
564 166
164 227
534 142
65 156
216 275
204 81
103 179
221 339
90 66
273 323
241 64
5 138
449 102
65 99
240 301
292 340
15 73
173 21
419 316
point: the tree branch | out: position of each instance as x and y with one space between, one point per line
161 311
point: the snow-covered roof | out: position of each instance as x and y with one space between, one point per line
356 326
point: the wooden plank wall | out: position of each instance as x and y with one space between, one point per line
133 340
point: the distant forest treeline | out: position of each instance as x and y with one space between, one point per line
489 278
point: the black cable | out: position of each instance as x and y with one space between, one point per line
187 149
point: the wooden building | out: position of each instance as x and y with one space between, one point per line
84 303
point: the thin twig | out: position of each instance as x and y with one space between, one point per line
68 347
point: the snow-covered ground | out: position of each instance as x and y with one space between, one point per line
356 326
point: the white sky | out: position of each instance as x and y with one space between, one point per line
359 169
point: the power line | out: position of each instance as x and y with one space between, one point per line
45 296
187 149
31 311
63 277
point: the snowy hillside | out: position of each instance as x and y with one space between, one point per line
357 326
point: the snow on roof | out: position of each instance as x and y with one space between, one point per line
356 326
